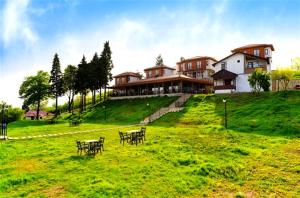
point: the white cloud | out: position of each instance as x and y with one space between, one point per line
16 23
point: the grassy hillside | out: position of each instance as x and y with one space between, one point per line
186 154
127 111
267 113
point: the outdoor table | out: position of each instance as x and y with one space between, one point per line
132 138
133 131
88 141
91 146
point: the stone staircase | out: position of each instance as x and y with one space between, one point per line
174 107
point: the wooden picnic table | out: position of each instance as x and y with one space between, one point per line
89 141
91 148
134 136
133 131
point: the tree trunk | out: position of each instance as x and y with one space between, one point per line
104 92
94 96
100 94
69 103
72 102
38 110
84 101
56 100
81 102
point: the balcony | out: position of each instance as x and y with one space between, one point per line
220 87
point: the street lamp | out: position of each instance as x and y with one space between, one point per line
225 113
104 107
148 106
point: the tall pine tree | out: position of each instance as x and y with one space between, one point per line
107 64
93 76
82 83
56 81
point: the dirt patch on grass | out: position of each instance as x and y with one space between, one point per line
248 194
26 165
55 192
293 148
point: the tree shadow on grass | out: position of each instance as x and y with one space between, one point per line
81 158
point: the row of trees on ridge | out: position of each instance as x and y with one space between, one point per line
86 77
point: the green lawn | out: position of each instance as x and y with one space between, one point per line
186 154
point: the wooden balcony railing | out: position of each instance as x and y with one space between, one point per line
218 87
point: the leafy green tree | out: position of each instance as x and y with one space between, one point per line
56 81
35 89
259 80
13 114
107 64
69 79
159 60
296 64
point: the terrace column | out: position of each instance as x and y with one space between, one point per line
158 89
180 87
193 91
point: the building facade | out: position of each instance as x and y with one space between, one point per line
242 62
199 67
159 79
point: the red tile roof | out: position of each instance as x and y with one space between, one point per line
165 79
128 74
224 74
33 113
160 66
248 55
253 46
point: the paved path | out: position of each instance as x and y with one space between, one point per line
68 133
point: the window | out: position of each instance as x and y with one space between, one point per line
182 66
150 73
223 65
250 65
266 52
198 64
256 52
194 74
189 66
156 72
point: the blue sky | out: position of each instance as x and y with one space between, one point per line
138 30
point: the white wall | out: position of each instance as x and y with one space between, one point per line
232 65
242 84
223 91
